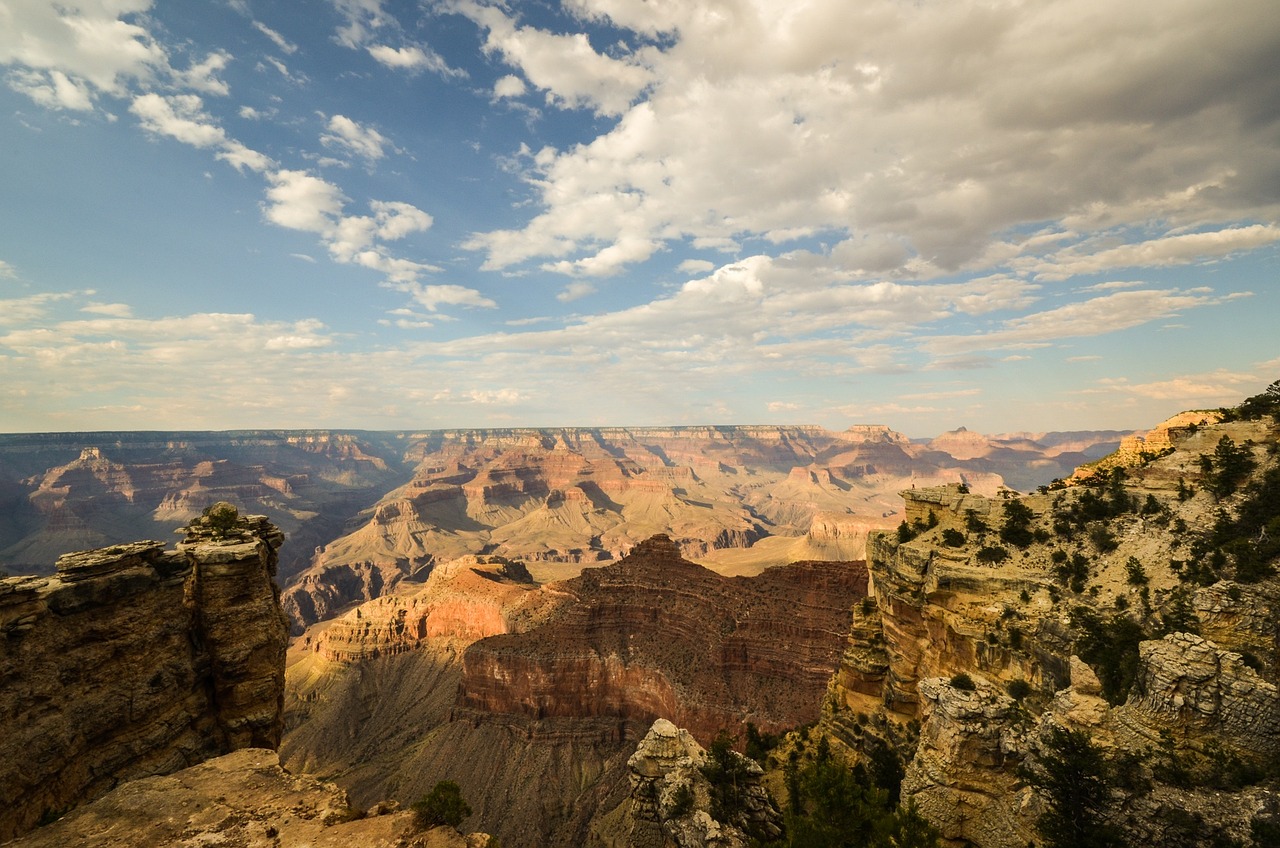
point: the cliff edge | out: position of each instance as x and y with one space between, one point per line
135 661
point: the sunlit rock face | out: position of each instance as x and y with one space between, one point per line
656 635
968 648
133 660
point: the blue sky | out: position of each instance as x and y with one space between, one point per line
411 215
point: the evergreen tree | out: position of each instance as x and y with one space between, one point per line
1072 775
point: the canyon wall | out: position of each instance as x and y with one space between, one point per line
1127 609
133 661
533 697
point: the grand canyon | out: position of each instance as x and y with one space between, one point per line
566 624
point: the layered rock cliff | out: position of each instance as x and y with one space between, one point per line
659 636
484 678
135 661
738 499
1139 609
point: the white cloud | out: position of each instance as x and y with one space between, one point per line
509 86
182 117
921 139
1094 317
696 266
80 45
432 297
575 290
1216 388
413 58
279 40
348 136
1162 252
782 406
565 66
299 201
52 89
7 270
179 116
114 310
23 310
203 76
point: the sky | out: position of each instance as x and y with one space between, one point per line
1006 215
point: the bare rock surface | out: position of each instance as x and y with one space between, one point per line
239 800
135 661
670 799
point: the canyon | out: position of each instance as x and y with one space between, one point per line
483 677
364 511
563 621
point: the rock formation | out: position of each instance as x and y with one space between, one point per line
657 635
738 499
68 491
670 801
239 800
134 661
484 678
1108 608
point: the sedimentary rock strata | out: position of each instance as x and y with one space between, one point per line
134 661
969 647
659 636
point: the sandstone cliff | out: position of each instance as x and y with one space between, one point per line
1140 609
737 499
484 678
134 661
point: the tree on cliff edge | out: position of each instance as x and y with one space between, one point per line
1072 776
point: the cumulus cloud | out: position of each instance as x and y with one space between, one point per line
301 201
564 65
509 86
923 138
350 137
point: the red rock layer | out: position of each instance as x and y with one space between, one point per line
659 636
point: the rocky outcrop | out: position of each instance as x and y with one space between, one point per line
657 635
134 661
1196 691
979 613
670 801
238 800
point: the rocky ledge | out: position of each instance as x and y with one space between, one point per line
134 661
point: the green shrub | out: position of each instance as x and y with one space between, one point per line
963 682
992 555
1018 689
442 806
952 538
